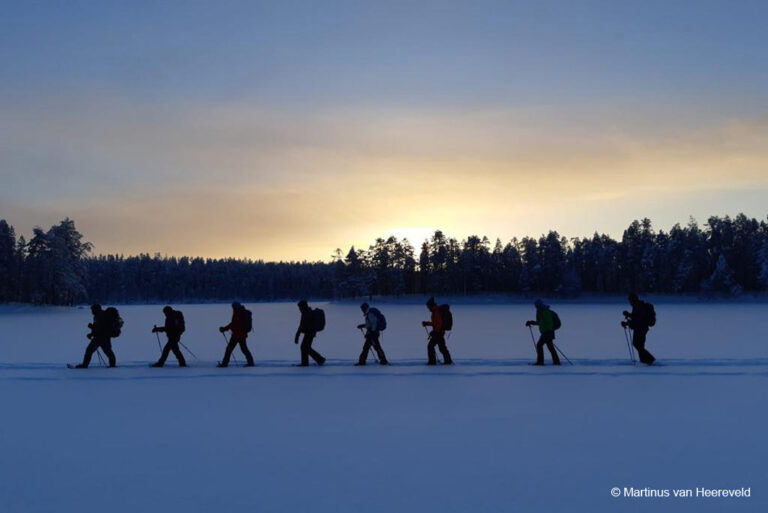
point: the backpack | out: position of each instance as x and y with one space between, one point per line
445 312
318 319
113 322
248 320
181 326
650 312
556 320
381 321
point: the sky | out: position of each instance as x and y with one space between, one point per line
283 130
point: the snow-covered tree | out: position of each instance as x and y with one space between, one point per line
722 281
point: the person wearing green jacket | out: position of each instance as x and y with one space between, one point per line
545 320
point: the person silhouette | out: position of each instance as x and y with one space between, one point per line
639 321
307 326
372 331
100 338
239 326
173 328
546 323
437 335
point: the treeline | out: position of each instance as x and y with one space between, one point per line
727 257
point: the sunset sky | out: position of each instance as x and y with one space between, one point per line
282 130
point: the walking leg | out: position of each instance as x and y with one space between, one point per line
248 356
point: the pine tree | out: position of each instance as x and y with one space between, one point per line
722 281
763 265
8 263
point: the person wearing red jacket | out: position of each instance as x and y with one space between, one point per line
239 326
437 335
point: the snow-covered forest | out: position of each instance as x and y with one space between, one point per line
728 256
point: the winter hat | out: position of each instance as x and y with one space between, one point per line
632 297
431 301
539 304
167 309
302 304
236 304
364 307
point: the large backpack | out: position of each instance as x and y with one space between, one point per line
318 319
248 320
650 314
113 322
381 321
445 313
556 320
181 326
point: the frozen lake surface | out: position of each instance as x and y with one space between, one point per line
488 434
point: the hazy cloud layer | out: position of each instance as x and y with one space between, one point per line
286 129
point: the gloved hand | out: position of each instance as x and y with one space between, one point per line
296 340
624 324
528 324
222 329
424 323
360 326
154 329
89 336
626 314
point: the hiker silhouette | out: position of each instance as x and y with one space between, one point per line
239 326
639 320
545 320
373 327
437 335
100 338
309 325
173 328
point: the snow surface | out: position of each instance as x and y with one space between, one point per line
488 434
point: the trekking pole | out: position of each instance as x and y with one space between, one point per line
190 352
101 360
234 358
430 338
533 339
629 346
159 346
370 348
561 353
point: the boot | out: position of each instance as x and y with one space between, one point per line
156 364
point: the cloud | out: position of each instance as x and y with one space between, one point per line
245 179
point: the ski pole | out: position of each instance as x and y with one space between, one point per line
429 337
159 345
533 339
190 352
561 353
101 360
629 346
233 349
370 348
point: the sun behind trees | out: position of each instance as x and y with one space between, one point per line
729 256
